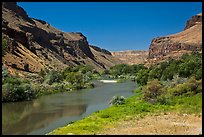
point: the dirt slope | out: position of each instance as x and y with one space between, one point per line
162 124
38 45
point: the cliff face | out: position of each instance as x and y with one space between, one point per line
186 41
36 44
197 19
131 56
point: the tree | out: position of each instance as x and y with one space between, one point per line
142 77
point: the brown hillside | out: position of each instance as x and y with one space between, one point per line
34 44
173 46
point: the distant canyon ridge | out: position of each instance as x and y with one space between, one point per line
165 47
35 45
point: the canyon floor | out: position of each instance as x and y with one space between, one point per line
159 124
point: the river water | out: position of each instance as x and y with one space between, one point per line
49 112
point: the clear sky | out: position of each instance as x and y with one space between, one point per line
116 26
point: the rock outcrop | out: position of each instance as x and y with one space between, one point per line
36 43
101 50
177 44
197 19
131 56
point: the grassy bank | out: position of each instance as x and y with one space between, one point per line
171 86
15 88
133 108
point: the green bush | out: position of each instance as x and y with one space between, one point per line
90 85
117 100
42 73
120 69
142 77
5 74
191 87
75 77
4 46
21 92
52 77
177 80
186 88
152 90
12 80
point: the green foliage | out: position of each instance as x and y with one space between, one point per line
52 77
119 69
75 77
12 80
16 89
90 85
42 73
4 46
135 68
186 88
105 72
189 88
170 71
117 100
50 82
124 69
180 91
5 73
198 74
152 91
155 72
142 77
191 65
133 108
82 68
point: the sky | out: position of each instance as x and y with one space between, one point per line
116 26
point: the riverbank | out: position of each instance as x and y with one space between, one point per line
46 113
16 88
134 109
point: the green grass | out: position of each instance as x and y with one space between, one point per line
134 107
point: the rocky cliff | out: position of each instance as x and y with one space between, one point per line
131 56
33 44
190 39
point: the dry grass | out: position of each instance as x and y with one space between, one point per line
162 124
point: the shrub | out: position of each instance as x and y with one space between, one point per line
120 69
105 72
12 80
177 80
191 87
77 77
142 77
5 73
152 91
21 92
117 100
4 46
52 77
42 73
90 85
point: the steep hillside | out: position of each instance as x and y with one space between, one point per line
34 44
131 56
173 46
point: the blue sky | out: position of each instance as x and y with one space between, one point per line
116 26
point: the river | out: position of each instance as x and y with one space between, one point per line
42 115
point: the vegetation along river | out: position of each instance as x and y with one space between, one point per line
49 112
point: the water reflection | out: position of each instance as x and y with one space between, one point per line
23 117
49 112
